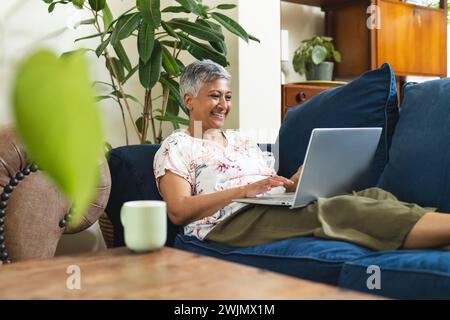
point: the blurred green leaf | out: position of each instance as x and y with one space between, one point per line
118 68
174 89
125 27
102 46
169 63
149 72
172 118
78 3
231 25
122 55
97 5
203 51
57 118
196 30
107 17
146 41
174 9
150 10
254 38
337 56
173 107
89 37
218 45
169 30
319 54
140 124
193 6
226 6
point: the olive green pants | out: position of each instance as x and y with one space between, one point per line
372 218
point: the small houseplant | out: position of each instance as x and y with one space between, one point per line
315 58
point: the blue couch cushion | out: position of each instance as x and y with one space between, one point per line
132 178
404 274
305 257
368 101
418 170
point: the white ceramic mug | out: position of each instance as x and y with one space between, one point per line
144 225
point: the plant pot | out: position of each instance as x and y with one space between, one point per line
322 71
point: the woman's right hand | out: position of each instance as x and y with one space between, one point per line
253 189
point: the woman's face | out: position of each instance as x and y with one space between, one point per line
211 105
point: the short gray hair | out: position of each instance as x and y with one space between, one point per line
198 73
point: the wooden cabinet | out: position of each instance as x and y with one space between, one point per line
295 94
411 38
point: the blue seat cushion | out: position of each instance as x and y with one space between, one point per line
368 101
404 274
132 178
305 257
418 170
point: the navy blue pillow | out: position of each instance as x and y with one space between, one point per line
368 101
418 170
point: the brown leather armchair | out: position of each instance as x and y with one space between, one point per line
33 213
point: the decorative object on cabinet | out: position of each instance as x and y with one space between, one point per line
314 57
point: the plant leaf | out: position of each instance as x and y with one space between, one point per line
169 30
118 68
202 51
107 17
149 72
87 21
146 41
173 107
140 124
125 27
175 9
218 45
319 54
102 47
89 37
150 10
196 30
57 118
231 25
172 118
226 6
253 38
174 90
169 63
97 5
122 55
337 56
193 7
171 44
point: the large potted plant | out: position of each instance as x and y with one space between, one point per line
315 58
159 42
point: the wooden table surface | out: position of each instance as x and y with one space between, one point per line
164 274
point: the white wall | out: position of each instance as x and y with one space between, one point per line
259 69
302 22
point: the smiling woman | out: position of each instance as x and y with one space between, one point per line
205 89
201 170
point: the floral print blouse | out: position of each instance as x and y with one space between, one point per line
210 167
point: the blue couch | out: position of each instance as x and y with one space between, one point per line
404 274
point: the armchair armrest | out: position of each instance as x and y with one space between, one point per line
33 213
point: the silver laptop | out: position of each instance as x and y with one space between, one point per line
337 162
